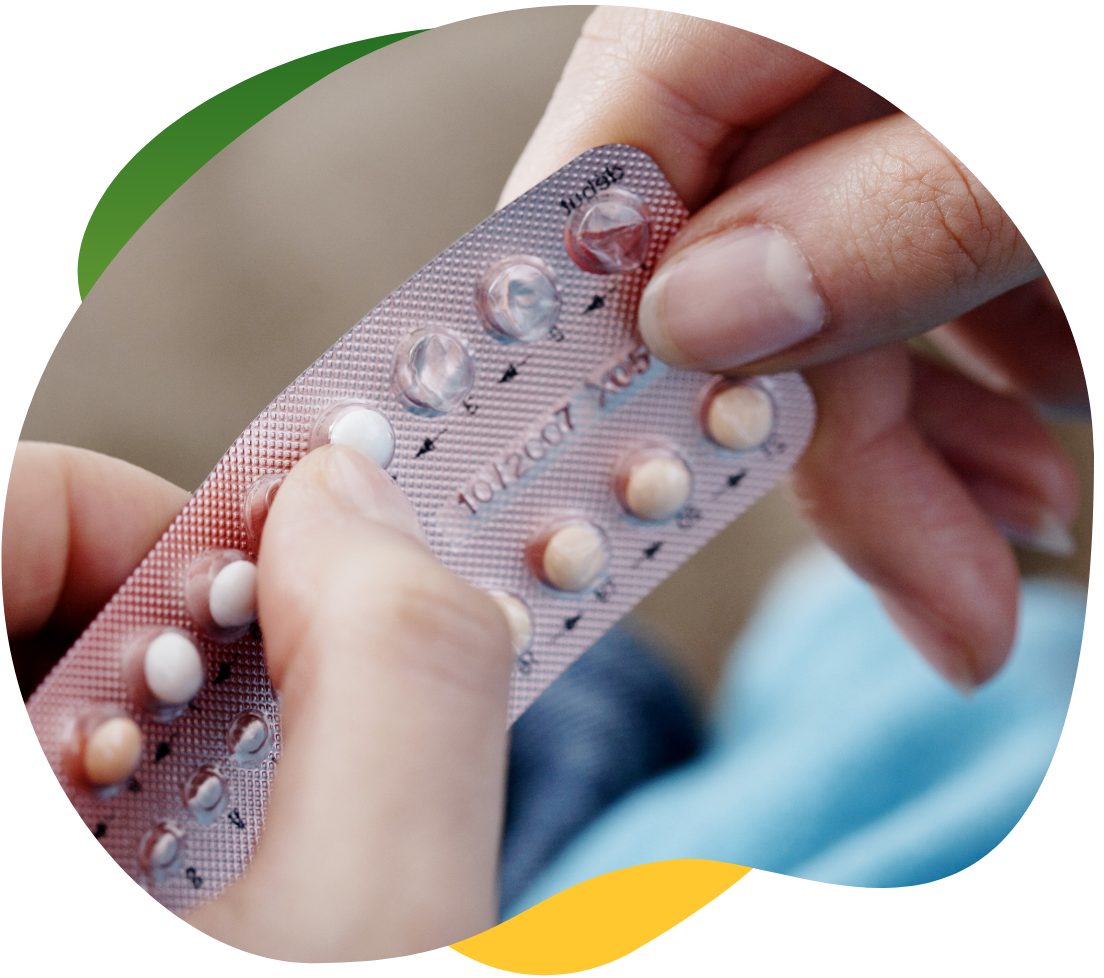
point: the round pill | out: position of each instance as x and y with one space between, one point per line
518 619
657 487
112 751
160 850
574 557
173 668
205 795
519 299
739 416
433 371
249 739
368 431
233 595
609 233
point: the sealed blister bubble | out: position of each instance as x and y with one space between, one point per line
519 298
652 482
220 593
206 795
359 426
737 414
609 233
161 851
433 371
163 669
103 748
519 620
256 503
249 739
569 554
550 460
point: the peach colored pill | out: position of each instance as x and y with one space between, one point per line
657 488
740 417
574 557
112 752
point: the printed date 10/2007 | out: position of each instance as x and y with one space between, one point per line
500 475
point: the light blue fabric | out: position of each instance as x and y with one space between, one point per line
838 755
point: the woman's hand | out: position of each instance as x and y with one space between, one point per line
826 229
382 830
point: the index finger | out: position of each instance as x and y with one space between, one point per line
76 523
686 91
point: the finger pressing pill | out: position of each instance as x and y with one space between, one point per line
256 503
233 594
738 415
519 299
570 556
358 427
220 593
609 233
173 668
652 484
518 619
112 751
433 372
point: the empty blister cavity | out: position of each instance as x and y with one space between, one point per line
519 299
220 593
518 619
163 669
569 555
652 482
357 426
206 795
256 503
249 739
104 748
609 233
736 414
433 372
161 851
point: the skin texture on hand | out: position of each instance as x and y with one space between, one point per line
826 229
382 830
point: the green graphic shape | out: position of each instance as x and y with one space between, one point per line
160 167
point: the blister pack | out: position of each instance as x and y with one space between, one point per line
552 462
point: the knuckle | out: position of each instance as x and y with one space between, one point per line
923 213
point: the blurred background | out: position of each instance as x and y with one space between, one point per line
282 242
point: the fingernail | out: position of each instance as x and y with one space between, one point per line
730 300
949 657
360 485
1048 536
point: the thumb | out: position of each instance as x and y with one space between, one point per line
382 831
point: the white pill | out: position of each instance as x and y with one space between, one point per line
163 851
233 596
173 668
112 751
739 417
249 739
657 488
208 792
160 850
518 619
574 557
368 431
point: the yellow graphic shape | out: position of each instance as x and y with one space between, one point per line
602 919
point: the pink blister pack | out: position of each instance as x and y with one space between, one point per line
552 462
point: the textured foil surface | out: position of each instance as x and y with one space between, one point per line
567 406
